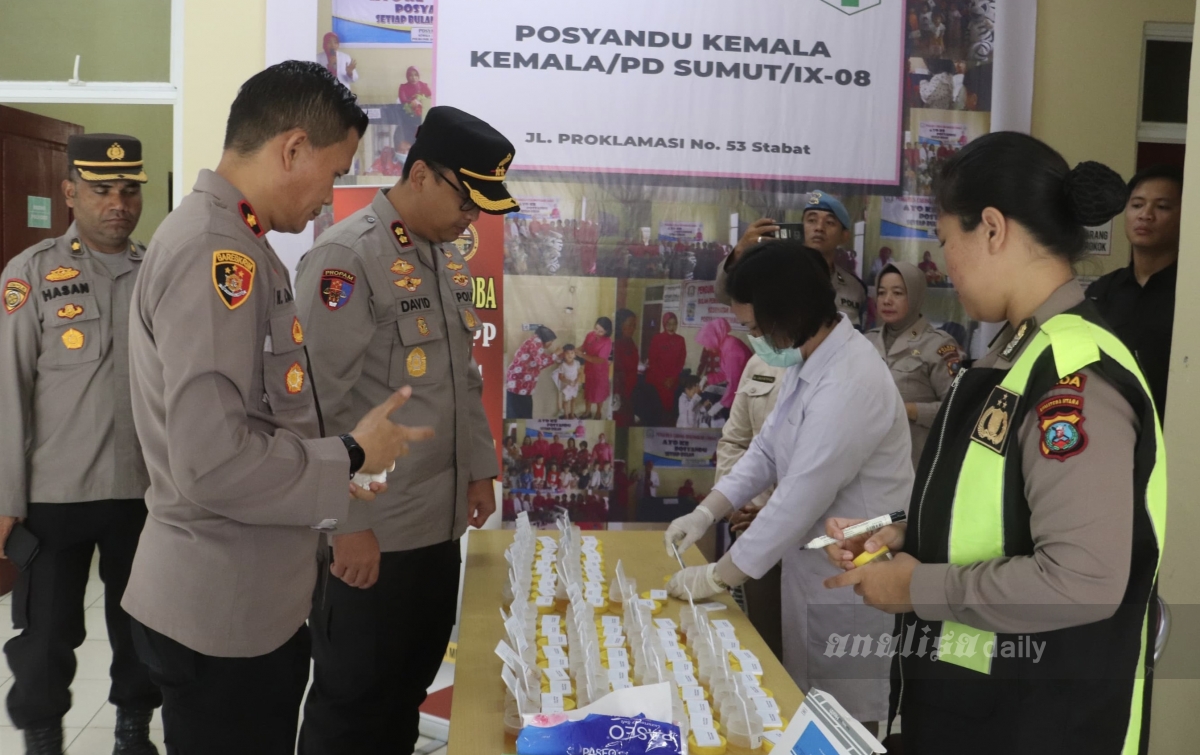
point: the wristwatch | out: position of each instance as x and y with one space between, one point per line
357 455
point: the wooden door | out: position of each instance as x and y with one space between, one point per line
33 163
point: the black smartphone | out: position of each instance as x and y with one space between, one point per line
790 231
21 547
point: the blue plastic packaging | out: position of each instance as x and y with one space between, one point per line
554 734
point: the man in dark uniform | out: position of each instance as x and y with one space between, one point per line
1138 300
70 460
404 315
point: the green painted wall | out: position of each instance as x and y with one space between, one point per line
151 124
120 40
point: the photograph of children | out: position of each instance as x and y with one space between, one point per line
678 469
939 135
958 29
946 84
389 79
676 359
558 344
552 466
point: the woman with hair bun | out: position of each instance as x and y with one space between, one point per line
1025 571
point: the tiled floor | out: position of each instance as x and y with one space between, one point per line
88 728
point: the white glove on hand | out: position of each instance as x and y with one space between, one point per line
699 581
687 529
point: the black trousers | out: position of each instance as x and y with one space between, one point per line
47 604
227 706
518 406
377 651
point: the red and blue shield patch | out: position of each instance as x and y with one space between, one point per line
336 288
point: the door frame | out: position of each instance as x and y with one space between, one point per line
119 93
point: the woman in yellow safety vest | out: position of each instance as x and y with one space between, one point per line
1024 573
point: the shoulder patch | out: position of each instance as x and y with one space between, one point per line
1076 381
992 429
233 277
336 288
16 293
61 273
1060 420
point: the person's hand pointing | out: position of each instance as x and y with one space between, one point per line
384 441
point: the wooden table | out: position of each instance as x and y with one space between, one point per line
477 715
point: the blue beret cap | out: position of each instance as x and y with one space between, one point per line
819 200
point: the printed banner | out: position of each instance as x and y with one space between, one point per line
944 133
681 448
633 87
538 208
909 218
680 230
699 305
384 23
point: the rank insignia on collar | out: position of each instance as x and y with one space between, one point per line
336 288
411 284
402 267
76 247
73 339
295 378
992 429
1060 420
233 277
251 218
422 326
297 331
401 235
1026 328
16 293
416 363
454 266
60 273
462 279
70 312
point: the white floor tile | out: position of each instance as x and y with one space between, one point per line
93 621
7 631
4 599
88 696
4 721
107 718
94 594
5 671
93 659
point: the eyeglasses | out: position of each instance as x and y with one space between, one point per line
467 205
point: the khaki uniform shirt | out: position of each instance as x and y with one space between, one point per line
224 407
384 309
64 377
1079 517
849 293
756 396
923 361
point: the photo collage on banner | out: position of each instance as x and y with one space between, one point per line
611 365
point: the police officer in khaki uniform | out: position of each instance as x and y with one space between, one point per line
923 359
387 300
69 458
826 227
241 477
756 395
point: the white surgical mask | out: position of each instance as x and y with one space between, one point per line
775 356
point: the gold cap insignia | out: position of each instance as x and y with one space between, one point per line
72 339
116 152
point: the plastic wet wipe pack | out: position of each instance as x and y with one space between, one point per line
635 721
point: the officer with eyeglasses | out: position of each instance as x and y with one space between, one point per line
387 301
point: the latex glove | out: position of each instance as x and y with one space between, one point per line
697 581
687 529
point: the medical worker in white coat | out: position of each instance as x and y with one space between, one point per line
837 441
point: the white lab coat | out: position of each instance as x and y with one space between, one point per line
343 61
836 445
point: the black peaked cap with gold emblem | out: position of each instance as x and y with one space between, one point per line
477 153
106 157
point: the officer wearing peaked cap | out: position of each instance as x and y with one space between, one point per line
387 301
69 458
827 225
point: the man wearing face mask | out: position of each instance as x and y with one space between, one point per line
70 459
826 227
388 300
837 440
